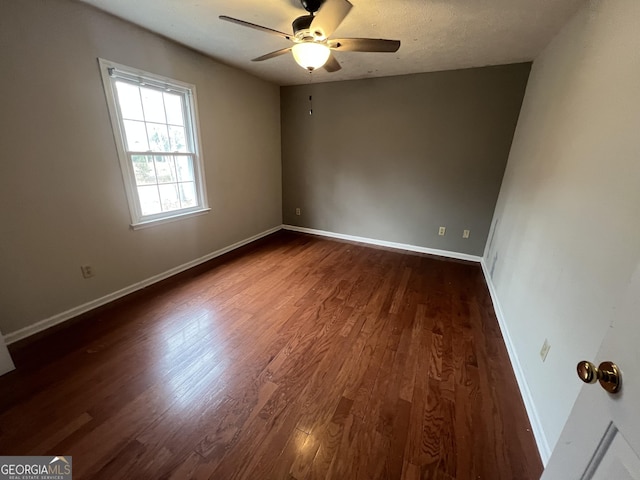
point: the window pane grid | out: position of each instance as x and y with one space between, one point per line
162 185
150 124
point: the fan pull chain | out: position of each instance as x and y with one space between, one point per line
310 90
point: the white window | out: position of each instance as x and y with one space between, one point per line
156 131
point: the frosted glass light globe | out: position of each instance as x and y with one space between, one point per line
311 55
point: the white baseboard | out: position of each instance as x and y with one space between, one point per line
74 312
532 412
384 243
6 363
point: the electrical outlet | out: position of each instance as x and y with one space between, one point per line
298 211
465 234
87 271
544 351
441 231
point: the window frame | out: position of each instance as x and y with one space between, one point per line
110 73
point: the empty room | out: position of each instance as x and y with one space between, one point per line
320 239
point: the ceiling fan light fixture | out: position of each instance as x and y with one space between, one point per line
311 55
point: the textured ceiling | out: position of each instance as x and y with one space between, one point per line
435 34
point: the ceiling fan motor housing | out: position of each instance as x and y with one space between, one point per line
302 29
311 6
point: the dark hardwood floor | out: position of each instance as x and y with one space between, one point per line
296 357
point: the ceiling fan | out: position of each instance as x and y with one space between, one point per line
311 43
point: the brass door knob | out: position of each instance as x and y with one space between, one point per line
607 373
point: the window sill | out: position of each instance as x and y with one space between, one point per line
173 218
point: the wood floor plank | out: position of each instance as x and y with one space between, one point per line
282 465
295 357
329 440
305 456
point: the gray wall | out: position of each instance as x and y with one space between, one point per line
394 158
567 228
62 200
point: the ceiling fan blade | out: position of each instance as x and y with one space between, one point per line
364 45
267 56
330 15
254 26
332 64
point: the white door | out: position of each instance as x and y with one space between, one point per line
601 440
6 364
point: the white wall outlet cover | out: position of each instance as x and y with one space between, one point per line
544 351
87 271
